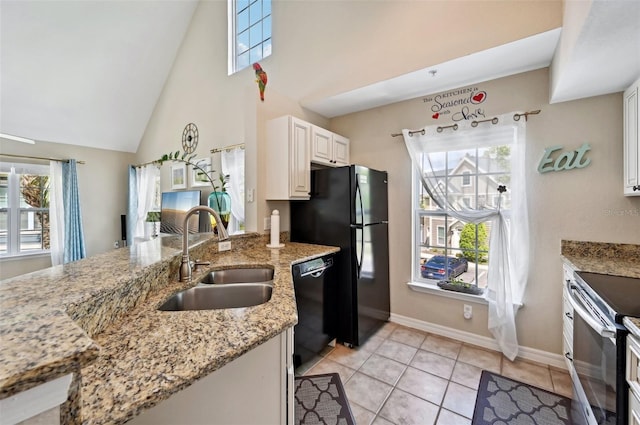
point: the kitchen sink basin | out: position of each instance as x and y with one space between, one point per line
242 275
213 297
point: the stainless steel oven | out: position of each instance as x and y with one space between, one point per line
600 302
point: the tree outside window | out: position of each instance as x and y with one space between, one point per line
24 210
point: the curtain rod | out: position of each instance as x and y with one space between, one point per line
38 157
237 145
494 120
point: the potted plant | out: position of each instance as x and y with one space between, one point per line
459 285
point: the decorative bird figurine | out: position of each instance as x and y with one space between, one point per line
261 79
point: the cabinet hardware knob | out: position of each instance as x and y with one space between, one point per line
568 356
637 187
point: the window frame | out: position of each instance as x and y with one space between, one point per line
430 285
14 210
232 36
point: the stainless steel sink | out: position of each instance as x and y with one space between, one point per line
243 275
212 297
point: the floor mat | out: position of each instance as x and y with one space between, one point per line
505 401
320 399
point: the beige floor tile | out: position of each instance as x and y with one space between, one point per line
382 368
329 366
441 345
466 374
350 357
460 399
361 415
386 330
372 343
396 351
561 382
484 359
529 373
433 363
423 385
446 417
408 336
381 421
403 408
366 391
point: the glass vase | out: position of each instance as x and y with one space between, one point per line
220 202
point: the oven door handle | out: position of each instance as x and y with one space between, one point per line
600 328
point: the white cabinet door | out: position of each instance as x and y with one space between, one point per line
300 168
631 141
340 150
288 168
321 146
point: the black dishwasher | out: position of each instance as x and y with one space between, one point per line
314 283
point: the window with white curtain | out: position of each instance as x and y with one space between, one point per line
24 209
485 245
468 177
249 32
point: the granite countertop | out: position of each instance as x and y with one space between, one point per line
99 316
605 258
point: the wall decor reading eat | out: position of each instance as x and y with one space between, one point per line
461 104
567 160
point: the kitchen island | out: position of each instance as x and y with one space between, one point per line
98 319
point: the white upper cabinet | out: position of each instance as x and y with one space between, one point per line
288 163
328 148
632 140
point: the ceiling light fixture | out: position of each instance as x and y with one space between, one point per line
17 138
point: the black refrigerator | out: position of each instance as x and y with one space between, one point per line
348 209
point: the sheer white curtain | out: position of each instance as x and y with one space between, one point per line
232 164
56 213
145 184
509 240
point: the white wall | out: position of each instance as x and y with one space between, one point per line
570 205
102 188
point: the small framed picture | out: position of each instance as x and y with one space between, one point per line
198 177
179 176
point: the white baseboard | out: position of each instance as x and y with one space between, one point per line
527 353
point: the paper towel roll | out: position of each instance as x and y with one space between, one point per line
275 228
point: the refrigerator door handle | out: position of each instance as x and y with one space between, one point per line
359 196
360 251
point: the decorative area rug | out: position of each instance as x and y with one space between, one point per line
503 401
320 399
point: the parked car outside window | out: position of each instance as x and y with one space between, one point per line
441 267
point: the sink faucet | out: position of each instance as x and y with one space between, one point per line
185 267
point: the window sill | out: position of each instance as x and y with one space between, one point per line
432 289
25 256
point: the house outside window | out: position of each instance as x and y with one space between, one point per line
249 32
487 168
24 209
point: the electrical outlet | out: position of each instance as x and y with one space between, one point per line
116 244
224 246
267 223
467 312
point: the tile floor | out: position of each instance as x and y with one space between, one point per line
406 376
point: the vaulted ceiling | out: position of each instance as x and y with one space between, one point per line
90 72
